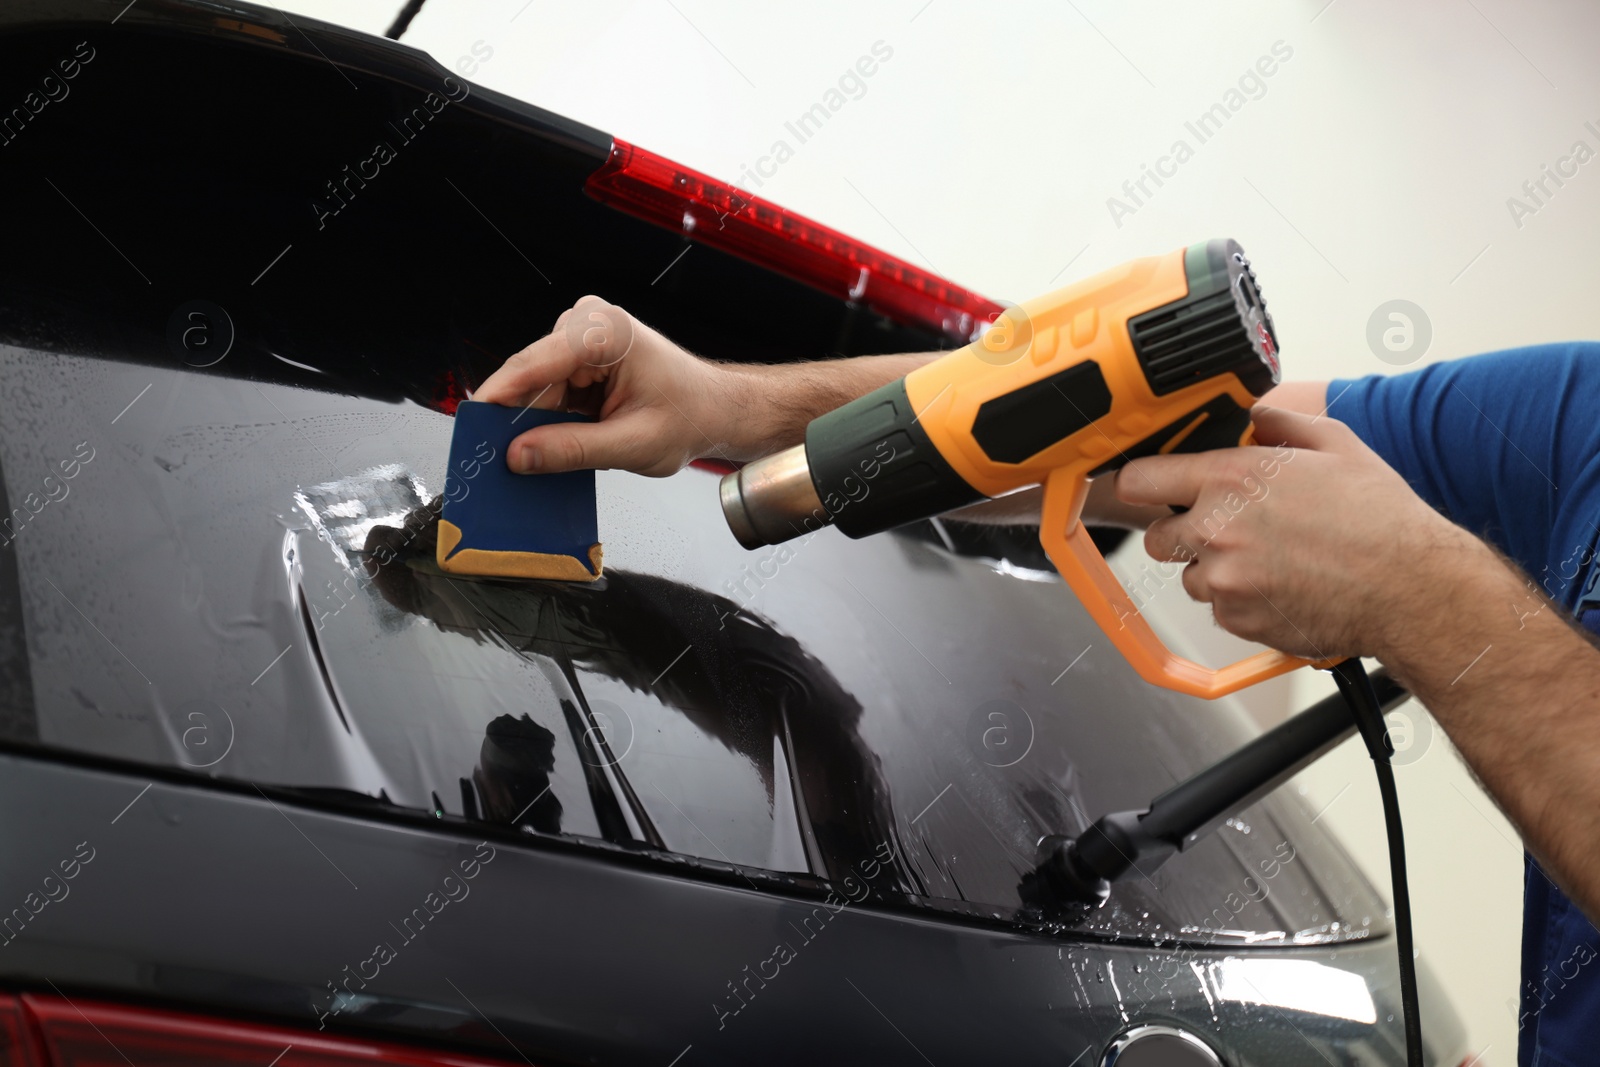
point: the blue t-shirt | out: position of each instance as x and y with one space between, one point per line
1508 446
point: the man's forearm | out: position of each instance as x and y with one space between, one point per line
768 407
1517 687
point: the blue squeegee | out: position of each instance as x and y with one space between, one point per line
509 525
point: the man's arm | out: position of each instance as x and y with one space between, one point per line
769 407
661 407
1332 554
1516 685
658 406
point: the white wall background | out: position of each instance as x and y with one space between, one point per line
1374 164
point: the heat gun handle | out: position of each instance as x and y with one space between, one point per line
1072 550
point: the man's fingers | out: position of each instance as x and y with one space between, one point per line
599 332
1195 584
1280 426
1178 480
532 372
1171 539
1171 480
613 443
589 337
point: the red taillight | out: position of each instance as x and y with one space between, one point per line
86 1033
17 1046
722 216
448 393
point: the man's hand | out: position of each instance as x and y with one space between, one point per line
1317 547
659 406
656 404
1308 542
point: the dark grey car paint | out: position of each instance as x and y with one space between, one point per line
246 905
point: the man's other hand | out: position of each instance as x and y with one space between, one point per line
1307 542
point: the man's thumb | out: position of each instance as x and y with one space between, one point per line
605 445
573 446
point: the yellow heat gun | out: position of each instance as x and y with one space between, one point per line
1161 354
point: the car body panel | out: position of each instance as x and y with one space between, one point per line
236 902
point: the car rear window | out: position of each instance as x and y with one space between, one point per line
237 578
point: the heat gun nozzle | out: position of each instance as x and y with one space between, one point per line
772 500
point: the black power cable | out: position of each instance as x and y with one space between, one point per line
402 21
1074 874
1356 687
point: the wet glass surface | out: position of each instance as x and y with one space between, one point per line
238 579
